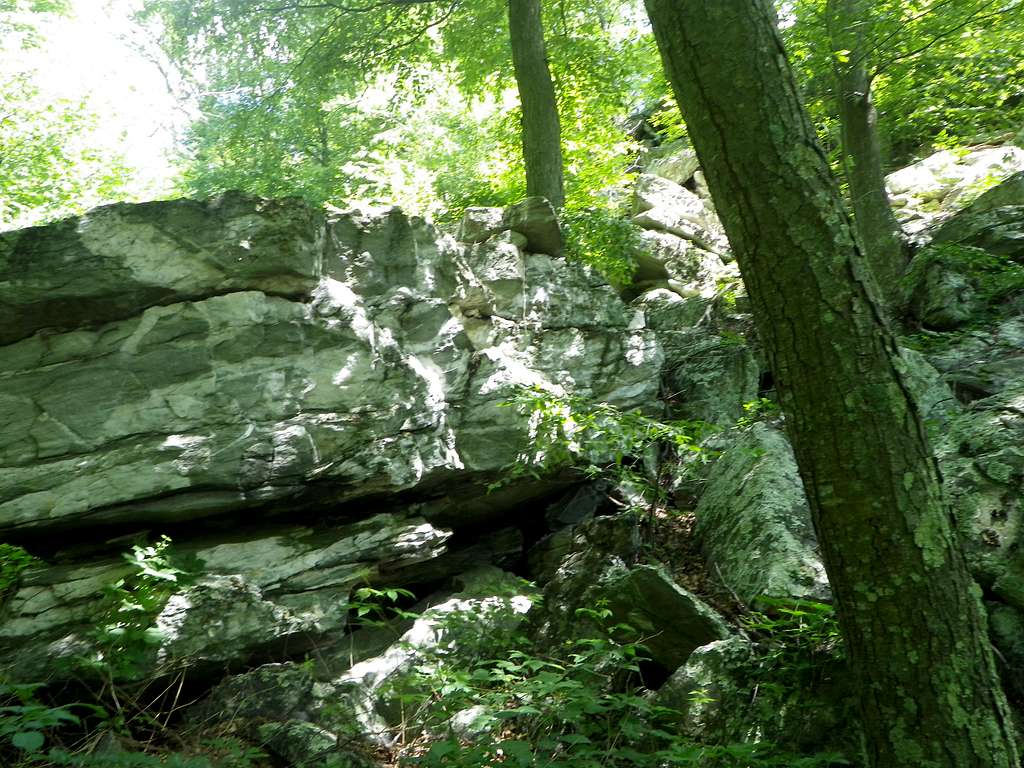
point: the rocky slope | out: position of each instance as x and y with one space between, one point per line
308 403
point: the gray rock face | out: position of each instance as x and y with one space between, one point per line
672 621
535 219
940 295
594 569
709 376
993 222
928 192
677 163
251 591
476 623
984 362
252 352
119 260
753 522
983 463
664 206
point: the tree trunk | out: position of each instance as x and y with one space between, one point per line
911 615
880 234
542 133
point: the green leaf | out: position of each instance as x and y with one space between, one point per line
28 741
520 751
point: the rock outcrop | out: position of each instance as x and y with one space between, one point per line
309 403
179 360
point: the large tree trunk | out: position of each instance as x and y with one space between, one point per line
542 134
880 234
911 616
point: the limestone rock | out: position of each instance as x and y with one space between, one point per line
753 522
662 205
722 698
711 694
672 621
696 269
993 222
479 224
476 623
672 316
116 261
980 363
250 593
677 163
330 368
535 219
982 459
939 293
709 376
595 570
930 190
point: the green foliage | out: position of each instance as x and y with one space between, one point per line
600 439
411 103
379 607
49 166
604 239
231 752
25 721
758 410
800 650
581 704
943 73
126 635
14 561
797 635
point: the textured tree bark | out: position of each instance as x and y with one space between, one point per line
542 133
880 234
911 615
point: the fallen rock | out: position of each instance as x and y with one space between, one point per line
479 224
677 163
753 522
929 191
994 222
535 219
982 459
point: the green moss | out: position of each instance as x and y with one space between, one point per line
995 277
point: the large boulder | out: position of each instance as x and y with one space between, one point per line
730 692
980 362
473 624
240 358
595 570
709 375
535 219
982 458
664 206
119 260
247 593
930 190
753 522
993 222
676 162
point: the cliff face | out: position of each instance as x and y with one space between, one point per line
179 360
308 402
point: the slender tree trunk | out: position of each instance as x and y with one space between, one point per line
542 133
879 232
911 615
